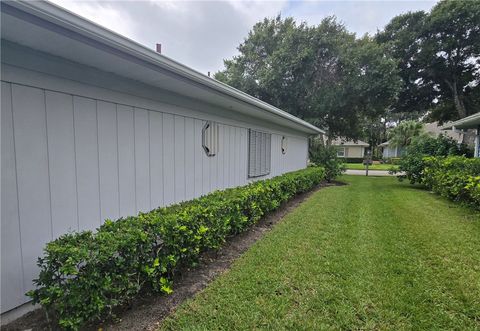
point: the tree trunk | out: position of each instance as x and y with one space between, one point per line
457 99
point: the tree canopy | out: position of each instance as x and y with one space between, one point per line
438 57
323 73
403 133
420 66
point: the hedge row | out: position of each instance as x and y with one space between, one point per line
84 276
454 177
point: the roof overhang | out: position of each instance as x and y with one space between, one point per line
470 122
51 29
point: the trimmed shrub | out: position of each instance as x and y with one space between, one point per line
84 276
412 163
455 177
353 160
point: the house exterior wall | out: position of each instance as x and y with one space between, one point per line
389 152
353 151
74 155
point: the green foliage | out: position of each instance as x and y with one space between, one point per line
401 36
438 58
413 164
322 73
326 157
404 132
456 178
84 276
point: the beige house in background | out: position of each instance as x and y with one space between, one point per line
349 149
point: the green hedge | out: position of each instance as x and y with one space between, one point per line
454 177
84 276
352 159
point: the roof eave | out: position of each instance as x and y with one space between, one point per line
58 15
468 122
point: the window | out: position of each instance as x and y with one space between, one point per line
341 152
210 138
259 149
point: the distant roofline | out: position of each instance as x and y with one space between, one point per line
469 122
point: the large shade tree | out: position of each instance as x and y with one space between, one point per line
323 73
438 58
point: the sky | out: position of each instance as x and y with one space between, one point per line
200 34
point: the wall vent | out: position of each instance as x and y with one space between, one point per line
210 138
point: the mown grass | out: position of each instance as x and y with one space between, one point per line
361 166
376 255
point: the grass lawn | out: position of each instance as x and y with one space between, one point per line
376 254
360 166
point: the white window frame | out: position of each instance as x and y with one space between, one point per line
342 150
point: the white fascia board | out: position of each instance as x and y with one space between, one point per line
469 122
59 16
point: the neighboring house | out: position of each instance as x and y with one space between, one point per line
433 129
436 130
349 149
471 122
95 126
389 151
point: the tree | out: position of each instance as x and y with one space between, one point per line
439 59
402 134
451 55
322 73
402 39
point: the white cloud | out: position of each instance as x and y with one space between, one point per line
202 33
102 13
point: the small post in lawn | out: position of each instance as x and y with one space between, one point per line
367 160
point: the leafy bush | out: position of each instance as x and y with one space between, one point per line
326 157
412 164
456 178
84 276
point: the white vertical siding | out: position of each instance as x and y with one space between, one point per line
126 160
142 162
190 147
179 157
12 284
168 158
108 160
86 151
61 156
156 159
77 161
30 136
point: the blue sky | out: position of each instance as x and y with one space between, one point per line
201 34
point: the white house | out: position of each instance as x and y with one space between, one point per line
469 122
433 129
96 126
391 151
349 149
